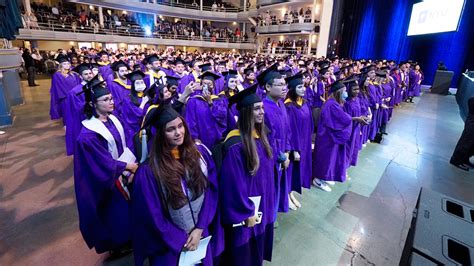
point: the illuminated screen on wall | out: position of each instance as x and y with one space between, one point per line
433 16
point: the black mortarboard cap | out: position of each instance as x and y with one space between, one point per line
159 117
62 58
94 89
101 53
179 61
209 75
269 74
172 80
381 73
205 67
117 64
245 98
135 75
248 70
324 70
230 74
80 68
337 85
294 80
151 58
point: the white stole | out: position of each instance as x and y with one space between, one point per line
97 126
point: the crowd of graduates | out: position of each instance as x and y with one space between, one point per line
175 147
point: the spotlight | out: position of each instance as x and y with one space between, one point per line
147 30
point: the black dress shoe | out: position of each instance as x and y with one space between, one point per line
461 166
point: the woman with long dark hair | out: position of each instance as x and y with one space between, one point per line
174 194
246 178
103 166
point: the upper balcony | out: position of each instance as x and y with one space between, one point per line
175 10
263 3
288 28
50 31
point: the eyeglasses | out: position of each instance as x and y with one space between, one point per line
107 100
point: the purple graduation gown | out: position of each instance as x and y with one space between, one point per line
277 121
387 91
132 117
374 99
301 126
155 236
184 81
364 105
60 86
119 91
246 246
207 123
334 132
73 117
104 214
353 108
106 72
414 87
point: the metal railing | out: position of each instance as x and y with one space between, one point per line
286 51
134 31
204 8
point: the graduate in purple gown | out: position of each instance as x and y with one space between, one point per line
105 68
61 83
398 86
249 77
353 107
193 76
230 90
365 111
206 116
135 104
154 73
405 80
174 194
415 78
334 132
247 171
103 166
301 126
277 121
387 91
119 85
74 111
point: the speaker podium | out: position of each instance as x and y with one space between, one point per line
441 232
442 82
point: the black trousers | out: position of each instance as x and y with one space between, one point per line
31 75
465 147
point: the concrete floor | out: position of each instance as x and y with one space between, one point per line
362 222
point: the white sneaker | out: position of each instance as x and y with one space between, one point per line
294 200
331 183
291 205
320 184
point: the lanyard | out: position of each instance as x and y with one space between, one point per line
184 185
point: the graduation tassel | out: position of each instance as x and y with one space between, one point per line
144 146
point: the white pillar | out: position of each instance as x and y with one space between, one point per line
313 11
325 25
245 5
27 5
200 4
310 38
200 27
243 30
101 17
155 17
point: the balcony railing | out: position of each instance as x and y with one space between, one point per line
286 51
132 32
204 8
